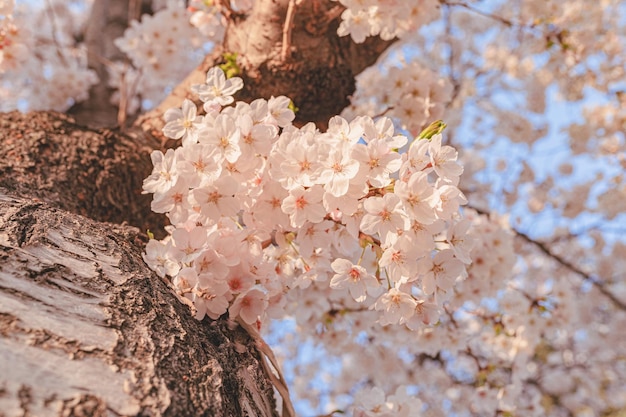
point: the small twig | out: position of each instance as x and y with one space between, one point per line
121 110
224 8
285 52
383 112
456 84
334 13
125 94
567 264
500 19
267 355
134 10
319 25
55 29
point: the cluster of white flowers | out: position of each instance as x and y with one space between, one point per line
56 76
362 18
259 207
409 93
386 18
493 259
206 17
160 58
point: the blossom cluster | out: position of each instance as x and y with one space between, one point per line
206 17
160 58
385 18
209 19
259 207
409 93
54 78
373 403
493 259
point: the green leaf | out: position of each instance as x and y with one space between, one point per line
230 66
293 107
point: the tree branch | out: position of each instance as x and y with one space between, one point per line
598 284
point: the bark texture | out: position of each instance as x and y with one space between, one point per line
319 68
86 329
97 173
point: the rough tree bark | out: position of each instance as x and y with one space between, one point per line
85 328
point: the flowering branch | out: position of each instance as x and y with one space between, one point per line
599 285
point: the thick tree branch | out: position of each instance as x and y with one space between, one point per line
97 173
87 329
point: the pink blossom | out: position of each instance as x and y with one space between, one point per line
183 123
396 306
249 306
383 215
304 205
354 277
440 272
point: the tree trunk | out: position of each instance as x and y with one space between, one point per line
86 329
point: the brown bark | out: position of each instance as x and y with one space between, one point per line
97 173
86 329
319 69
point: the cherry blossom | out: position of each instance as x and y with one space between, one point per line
354 277
304 205
183 123
337 170
443 160
383 215
164 174
440 272
419 197
217 89
250 306
396 306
